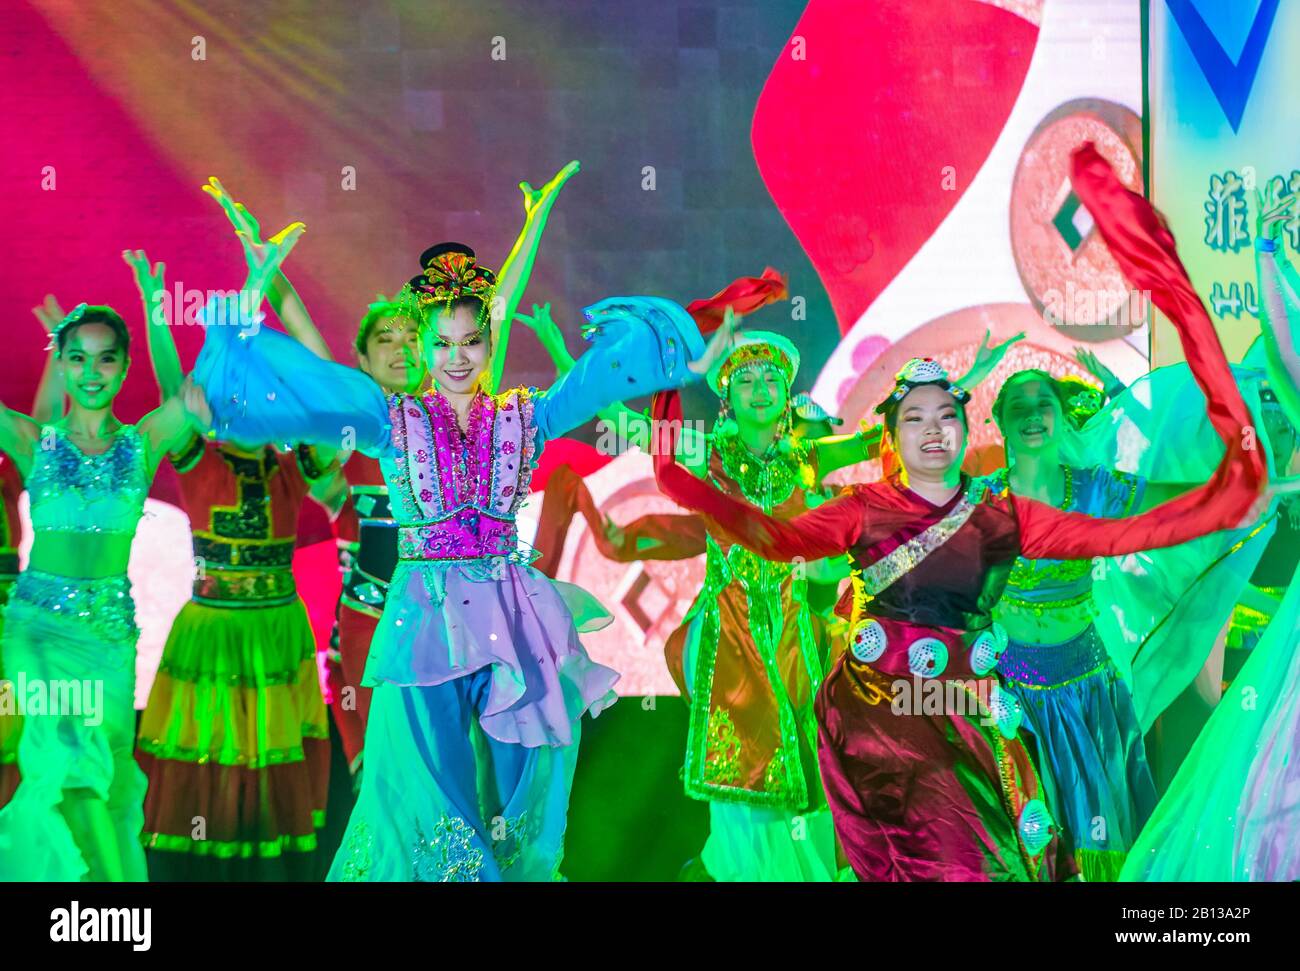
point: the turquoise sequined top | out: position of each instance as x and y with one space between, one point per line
1100 492
74 492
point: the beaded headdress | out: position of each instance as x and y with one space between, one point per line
754 348
77 313
1082 400
916 373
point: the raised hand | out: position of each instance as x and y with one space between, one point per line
988 358
537 199
264 259
49 313
1092 364
239 216
196 403
1272 209
718 344
541 323
148 280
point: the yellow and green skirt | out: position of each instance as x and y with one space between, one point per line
235 743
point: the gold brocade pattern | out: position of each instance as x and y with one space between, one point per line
722 764
774 779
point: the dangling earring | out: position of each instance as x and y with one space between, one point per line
725 426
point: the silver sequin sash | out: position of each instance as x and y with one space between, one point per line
909 555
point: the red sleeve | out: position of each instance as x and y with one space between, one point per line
1145 251
828 530
670 536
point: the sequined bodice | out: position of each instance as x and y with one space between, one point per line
455 495
75 492
1097 492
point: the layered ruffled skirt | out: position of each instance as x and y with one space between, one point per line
480 682
235 743
69 652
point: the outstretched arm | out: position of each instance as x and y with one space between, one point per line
18 435
518 267
284 299
163 357
840 451
987 359
1110 381
48 402
1145 252
1279 299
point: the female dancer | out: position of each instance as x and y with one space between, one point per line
47 406
388 350
750 654
1231 811
479 677
1056 665
920 794
233 739
71 618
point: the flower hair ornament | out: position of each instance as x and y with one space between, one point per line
916 373
77 313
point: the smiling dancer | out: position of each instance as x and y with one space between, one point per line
387 348
77 810
480 679
1056 665
751 652
918 795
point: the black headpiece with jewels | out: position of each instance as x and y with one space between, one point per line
916 373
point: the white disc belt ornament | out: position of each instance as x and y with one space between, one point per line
927 657
1035 826
869 642
1004 709
988 650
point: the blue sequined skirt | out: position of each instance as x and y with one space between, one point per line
69 649
1090 750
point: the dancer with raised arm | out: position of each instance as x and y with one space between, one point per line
234 732
77 810
480 679
953 795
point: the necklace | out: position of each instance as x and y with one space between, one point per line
767 480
